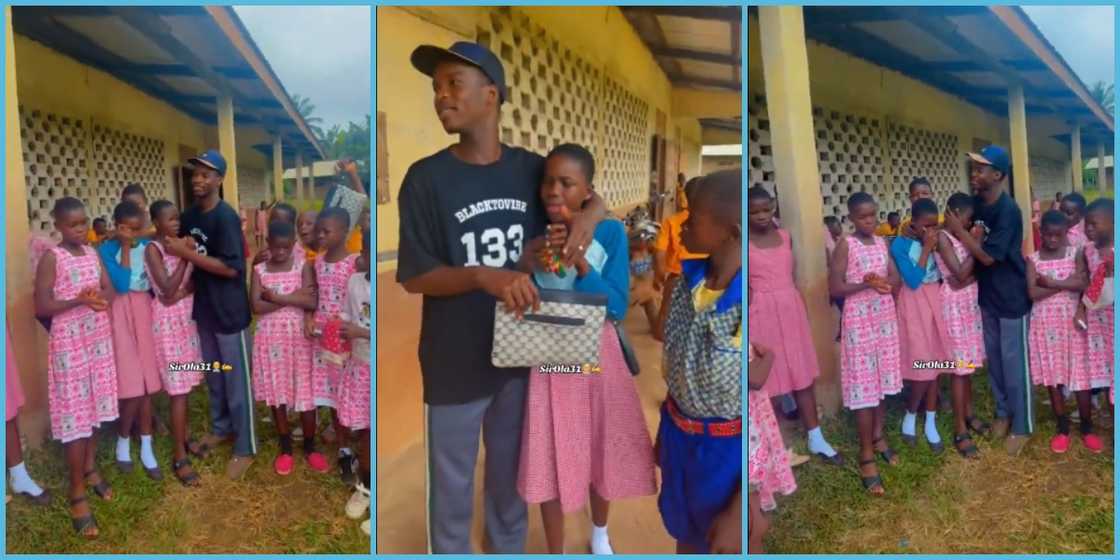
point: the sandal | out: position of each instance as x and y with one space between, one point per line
870 483
887 454
102 488
155 474
969 451
125 467
190 479
937 448
978 426
199 449
836 460
85 525
43 499
911 440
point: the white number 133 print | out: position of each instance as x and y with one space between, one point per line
494 244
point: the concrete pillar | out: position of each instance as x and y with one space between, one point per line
785 64
29 342
1020 160
299 177
228 146
1102 180
1075 158
277 169
310 179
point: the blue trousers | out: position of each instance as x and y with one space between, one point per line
1005 341
231 396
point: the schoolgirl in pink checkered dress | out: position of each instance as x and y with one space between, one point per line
175 333
1097 312
864 275
72 288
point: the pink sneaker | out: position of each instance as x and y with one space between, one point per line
317 462
284 464
1093 443
1059 443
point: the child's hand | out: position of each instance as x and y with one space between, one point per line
261 256
929 239
1080 319
266 295
309 326
726 534
350 331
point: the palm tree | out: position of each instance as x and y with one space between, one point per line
1103 94
306 109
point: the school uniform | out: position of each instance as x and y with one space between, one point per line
700 434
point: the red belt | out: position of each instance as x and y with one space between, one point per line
696 427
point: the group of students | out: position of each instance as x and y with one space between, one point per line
164 301
945 296
486 225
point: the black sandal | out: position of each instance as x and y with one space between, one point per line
191 479
910 440
155 474
969 451
83 525
197 448
887 454
937 448
977 426
102 489
871 482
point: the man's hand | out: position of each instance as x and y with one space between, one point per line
726 533
514 289
181 246
580 234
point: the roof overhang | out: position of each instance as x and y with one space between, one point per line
186 56
697 46
972 52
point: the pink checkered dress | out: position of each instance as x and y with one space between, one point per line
331 279
961 310
175 333
281 352
1057 348
81 371
353 391
869 347
769 472
1098 357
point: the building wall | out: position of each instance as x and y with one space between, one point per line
711 164
84 133
877 129
574 75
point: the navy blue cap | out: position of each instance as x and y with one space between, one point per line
426 57
211 159
994 156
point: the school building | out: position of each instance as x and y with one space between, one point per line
100 97
849 99
644 88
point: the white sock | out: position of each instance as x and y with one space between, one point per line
817 444
146 455
345 452
931 428
21 481
123 453
908 423
600 542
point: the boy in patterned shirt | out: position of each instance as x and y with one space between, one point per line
700 438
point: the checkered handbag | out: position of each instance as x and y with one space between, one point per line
565 331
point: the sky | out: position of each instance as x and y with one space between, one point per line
321 52
1085 36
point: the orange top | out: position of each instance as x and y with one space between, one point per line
670 241
354 242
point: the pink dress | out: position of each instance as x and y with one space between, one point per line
869 350
777 318
354 390
176 336
585 431
1076 235
1056 347
331 279
14 390
281 352
81 371
923 334
961 310
1098 357
138 372
769 472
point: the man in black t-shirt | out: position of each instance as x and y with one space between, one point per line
467 214
1002 279
221 306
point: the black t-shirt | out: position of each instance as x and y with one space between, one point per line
220 304
1003 285
456 214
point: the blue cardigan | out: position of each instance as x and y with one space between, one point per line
120 276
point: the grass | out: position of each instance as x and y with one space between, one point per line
263 513
1038 503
